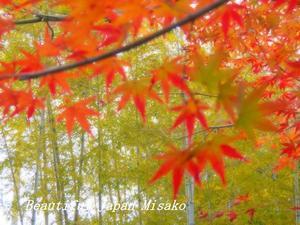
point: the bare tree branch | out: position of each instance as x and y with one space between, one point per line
32 75
41 18
211 128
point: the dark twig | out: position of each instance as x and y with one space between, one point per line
210 129
142 41
41 18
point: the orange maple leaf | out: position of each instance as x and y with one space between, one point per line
31 62
169 74
178 161
240 199
55 80
232 216
48 47
250 212
5 25
19 101
214 152
231 15
109 68
194 158
77 112
190 111
291 4
139 91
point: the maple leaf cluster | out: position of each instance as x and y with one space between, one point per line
231 213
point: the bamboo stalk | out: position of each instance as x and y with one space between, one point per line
79 181
13 174
56 162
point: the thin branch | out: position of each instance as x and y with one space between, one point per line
193 93
209 129
41 18
141 41
205 95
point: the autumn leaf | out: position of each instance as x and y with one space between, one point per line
177 161
190 111
232 216
214 151
72 112
202 214
5 25
231 15
109 68
291 4
209 71
19 101
48 47
240 199
30 62
111 34
290 152
194 158
250 212
138 91
227 97
252 114
170 74
291 144
285 162
29 103
59 79
218 214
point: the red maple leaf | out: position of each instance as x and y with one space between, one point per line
232 216
291 4
139 91
59 79
251 213
240 199
214 151
31 62
48 47
231 15
19 101
190 111
169 74
5 25
202 214
111 34
177 161
109 68
195 157
218 214
79 112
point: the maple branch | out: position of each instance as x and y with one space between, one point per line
139 42
210 128
41 18
193 93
